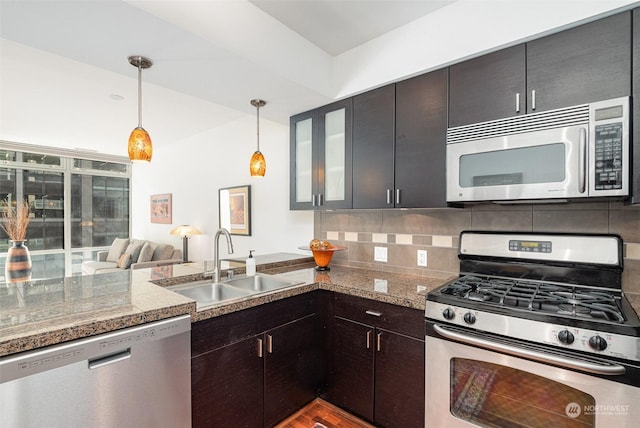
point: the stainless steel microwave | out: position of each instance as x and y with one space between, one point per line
563 154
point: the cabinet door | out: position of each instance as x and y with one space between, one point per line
635 183
352 377
303 184
399 380
227 385
293 368
421 132
591 62
373 148
488 87
334 155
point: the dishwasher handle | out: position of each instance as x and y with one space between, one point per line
105 360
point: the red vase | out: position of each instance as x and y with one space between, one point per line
18 265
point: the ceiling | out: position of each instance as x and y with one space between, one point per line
64 62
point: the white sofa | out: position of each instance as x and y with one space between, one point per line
126 253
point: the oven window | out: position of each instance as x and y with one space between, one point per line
491 395
525 165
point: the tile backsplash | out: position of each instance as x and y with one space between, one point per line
404 232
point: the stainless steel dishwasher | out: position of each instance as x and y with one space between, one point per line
136 377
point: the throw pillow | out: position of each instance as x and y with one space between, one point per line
124 261
117 248
134 248
146 253
163 252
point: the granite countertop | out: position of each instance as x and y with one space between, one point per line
47 312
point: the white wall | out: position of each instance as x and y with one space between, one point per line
194 169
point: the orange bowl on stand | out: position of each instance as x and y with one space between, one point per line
322 256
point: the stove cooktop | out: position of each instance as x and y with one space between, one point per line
541 297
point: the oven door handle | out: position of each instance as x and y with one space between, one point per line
608 370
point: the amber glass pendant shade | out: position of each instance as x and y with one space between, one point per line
140 147
258 165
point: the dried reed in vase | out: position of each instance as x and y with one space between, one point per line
16 220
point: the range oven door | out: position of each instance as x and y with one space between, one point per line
548 164
467 386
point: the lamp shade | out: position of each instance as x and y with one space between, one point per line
140 147
258 165
185 230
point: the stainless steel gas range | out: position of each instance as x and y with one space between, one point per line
536 331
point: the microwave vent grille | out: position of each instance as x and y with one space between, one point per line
569 116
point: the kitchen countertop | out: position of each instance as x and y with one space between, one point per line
41 313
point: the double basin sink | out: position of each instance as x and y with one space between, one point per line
206 293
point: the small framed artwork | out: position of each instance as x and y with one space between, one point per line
161 208
235 209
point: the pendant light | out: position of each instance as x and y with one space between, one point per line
258 165
140 147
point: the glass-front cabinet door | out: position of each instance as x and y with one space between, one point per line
320 157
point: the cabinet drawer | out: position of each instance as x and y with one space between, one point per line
386 316
226 329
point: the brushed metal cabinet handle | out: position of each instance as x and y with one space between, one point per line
397 196
389 191
517 102
378 340
269 344
313 200
320 199
374 313
533 99
260 348
369 339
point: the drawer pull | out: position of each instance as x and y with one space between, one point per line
369 339
269 344
260 348
374 313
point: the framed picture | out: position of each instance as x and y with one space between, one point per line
235 209
161 208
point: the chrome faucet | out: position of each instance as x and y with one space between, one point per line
216 251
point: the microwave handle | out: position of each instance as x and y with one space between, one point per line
582 160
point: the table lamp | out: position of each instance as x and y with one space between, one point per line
185 231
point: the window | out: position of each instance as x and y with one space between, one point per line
78 205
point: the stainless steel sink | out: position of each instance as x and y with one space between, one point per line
205 293
260 282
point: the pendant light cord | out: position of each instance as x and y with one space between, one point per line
258 127
140 93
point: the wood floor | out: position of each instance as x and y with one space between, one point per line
320 414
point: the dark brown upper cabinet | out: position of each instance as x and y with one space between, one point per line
399 136
421 132
635 142
320 158
590 62
373 141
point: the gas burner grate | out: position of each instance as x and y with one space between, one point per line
551 298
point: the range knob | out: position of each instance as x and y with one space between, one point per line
566 337
469 318
448 314
598 343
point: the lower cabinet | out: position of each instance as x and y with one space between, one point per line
255 367
259 366
378 362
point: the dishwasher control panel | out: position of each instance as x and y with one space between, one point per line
89 349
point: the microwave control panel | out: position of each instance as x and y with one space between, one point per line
608 156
